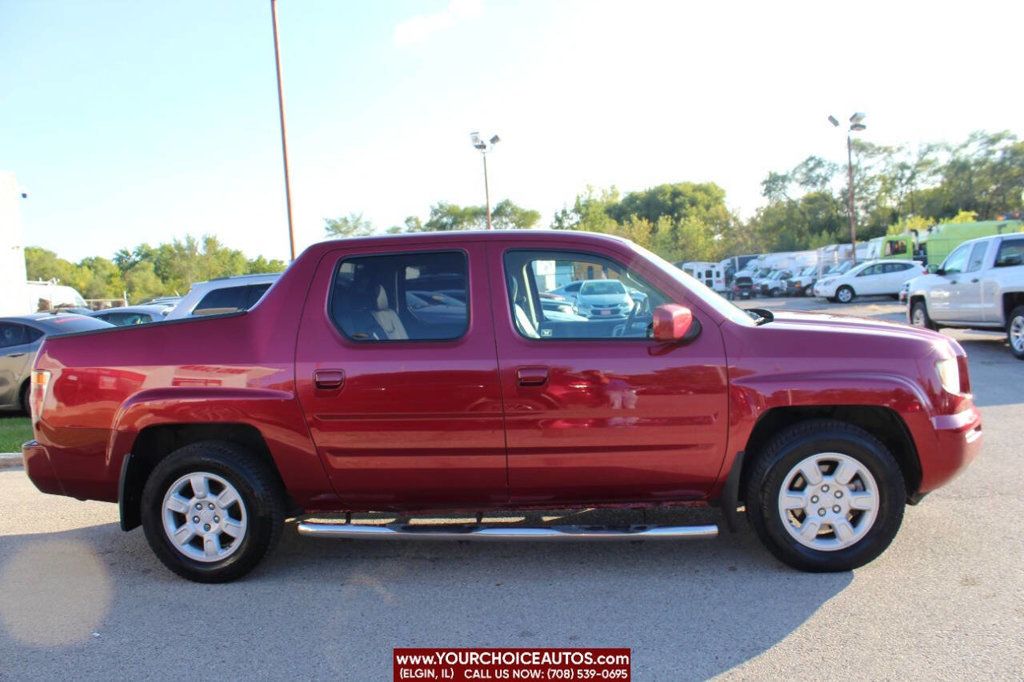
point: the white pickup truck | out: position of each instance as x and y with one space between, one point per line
979 286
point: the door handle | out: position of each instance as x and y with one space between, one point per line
975 280
15 355
329 379
532 376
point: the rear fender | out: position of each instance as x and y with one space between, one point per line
274 414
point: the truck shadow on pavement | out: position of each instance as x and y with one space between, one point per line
96 599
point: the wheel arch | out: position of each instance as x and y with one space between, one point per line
22 388
1011 299
882 422
154 443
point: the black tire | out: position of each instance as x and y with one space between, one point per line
23 397
783 453
1016 318
840 295
808 290
919 307
774 293
258 487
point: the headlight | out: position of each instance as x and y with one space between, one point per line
949 374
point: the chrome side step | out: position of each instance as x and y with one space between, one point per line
353 531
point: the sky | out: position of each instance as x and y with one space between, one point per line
130 122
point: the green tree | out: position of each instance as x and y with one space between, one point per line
445 217
260 264
42 264
142 283
507 216
352 225
99 278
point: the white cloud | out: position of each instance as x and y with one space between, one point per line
419 28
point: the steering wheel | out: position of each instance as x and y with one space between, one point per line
624 329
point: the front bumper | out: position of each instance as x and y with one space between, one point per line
39 468
958 440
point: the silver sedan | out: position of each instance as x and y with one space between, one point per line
20 338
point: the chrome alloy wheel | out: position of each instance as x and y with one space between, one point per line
828 501
204 517
1017 333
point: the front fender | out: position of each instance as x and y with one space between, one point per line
752 397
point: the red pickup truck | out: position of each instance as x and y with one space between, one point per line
465 373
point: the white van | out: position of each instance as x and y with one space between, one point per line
711 274
44 296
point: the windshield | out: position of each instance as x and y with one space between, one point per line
697 289
602 288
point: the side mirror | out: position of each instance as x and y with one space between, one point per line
672 323
940 271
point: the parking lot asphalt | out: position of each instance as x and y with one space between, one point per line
79 598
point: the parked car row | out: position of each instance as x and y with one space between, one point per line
797 281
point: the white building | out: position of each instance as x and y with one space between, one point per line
13 290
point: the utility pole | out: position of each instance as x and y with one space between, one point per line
852 211
487 192
284 136
485 146
856 125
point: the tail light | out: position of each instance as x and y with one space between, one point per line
40 384
965 375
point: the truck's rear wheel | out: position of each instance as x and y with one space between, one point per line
825 496
211 511
1015 332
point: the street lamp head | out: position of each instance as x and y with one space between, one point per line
495 140
833 120
857 127
478 143
857 118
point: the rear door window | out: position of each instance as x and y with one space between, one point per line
416 296
1011 253
14 335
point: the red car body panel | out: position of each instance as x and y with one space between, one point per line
464 424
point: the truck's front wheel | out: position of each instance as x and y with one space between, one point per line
1015 332
919 317
825 496
211 511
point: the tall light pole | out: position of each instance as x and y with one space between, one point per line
284 137
485 146
856 125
